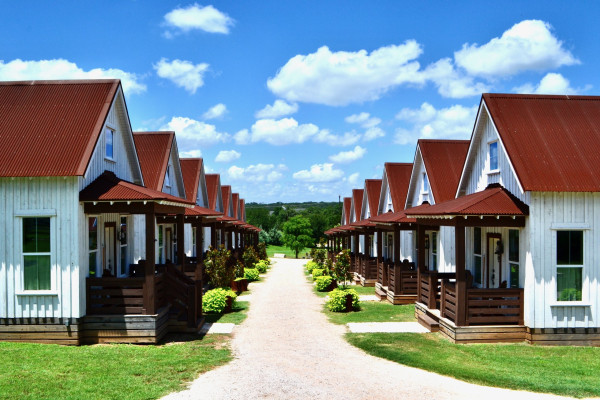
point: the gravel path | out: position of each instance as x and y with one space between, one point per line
286 349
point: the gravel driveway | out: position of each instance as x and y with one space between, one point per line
286 349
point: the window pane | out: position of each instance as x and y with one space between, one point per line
36 235
29 235
513 245
37 272
123 230
109 143
434 242
123 260
93 233
493 155
477 267
562 247
425 183
568 284
477 240
93 264
569 247
576 248
514 275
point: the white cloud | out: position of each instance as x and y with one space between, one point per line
216 111
190 154
227 156
319 173
192 132
528 45
347 139
257 173
340 78
551 83
455 122
364 119
373 133
278 132
183 73
279 108
451 82
207 19
242 137
20 70
353 179
348 156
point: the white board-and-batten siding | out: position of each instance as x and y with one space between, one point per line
57 197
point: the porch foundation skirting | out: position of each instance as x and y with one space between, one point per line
41 330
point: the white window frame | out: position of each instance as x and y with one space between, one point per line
510 262
168 177
433 245
97 243
569 227
497 169
51 214
479 256
123 247
194 236
112 157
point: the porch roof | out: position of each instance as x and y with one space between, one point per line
201 212
108 187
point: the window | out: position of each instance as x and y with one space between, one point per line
123 246
390 247
167 177
36 254
425 183
493 156
477 270
194 233
569 258
434 251
108 143
93 246
160 244
513 257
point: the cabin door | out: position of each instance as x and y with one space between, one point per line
110 249
169 244
493 277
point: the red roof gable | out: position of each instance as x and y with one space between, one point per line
226 193
553 142
190 169
357 198
398 179
50 128
212 187
347 205
235 198
373 188
201 212
242 210
444 161
153 150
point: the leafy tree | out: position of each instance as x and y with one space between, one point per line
342 266
216 267
297 234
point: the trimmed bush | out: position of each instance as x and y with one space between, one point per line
262 266
310 266
215 300
337 300
323 283
251 274
316 272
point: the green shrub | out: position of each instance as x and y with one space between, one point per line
316 272
215 300
261 266
337 300
310 266
249 257
216 267
251 274
323 283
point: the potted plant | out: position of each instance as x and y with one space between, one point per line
240 283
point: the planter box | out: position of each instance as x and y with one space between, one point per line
239 285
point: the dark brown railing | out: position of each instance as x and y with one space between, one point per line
180 292
115 295
430 287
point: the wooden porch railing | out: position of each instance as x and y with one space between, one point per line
370 268
180 292
352 263
383 272
403 278
430 287
115 295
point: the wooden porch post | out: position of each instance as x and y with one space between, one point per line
180 240
379 234
149 300
396 245
461 284
198 271
213 235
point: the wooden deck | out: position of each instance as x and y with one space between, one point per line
40 330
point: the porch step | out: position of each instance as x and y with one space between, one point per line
381 293
428 322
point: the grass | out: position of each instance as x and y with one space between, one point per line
570 371
237 315
39 371
284 250
374 311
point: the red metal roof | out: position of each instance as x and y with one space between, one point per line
153 150
107 187
444 161
190 169
242 209
201 212
553 142
494 200
364 223
235 198
212 188
373 188
347 205
357 198
50 128
226 194
398 179
399 216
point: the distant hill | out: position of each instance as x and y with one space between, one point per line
296 206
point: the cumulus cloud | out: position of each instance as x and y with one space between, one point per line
373 133
216 111
23 70
257 173
364 119
426 122
353 179
528 45
347 139
227 156
551 83
340 78
348 156
182 73
280 108
192 132
195 17
190 154
277 132
319 173
452 82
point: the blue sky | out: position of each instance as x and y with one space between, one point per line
295 101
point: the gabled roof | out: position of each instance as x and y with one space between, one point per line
357 198
213 184
107 187
226 193
398 179
50 128
444 161
372 192
198 211
190 169
153 150
242 210
346 210
553 142
235 198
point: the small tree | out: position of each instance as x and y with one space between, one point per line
319 256
341 267
261 250
216 264
297 234
250 257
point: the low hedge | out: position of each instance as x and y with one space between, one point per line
323 283
262 266
337 300
316 272
310 266
215 300
251 274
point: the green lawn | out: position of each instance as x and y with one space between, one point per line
570 371
374 311
38 371
237 315
288 253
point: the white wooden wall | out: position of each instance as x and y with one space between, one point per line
175 177
23 196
